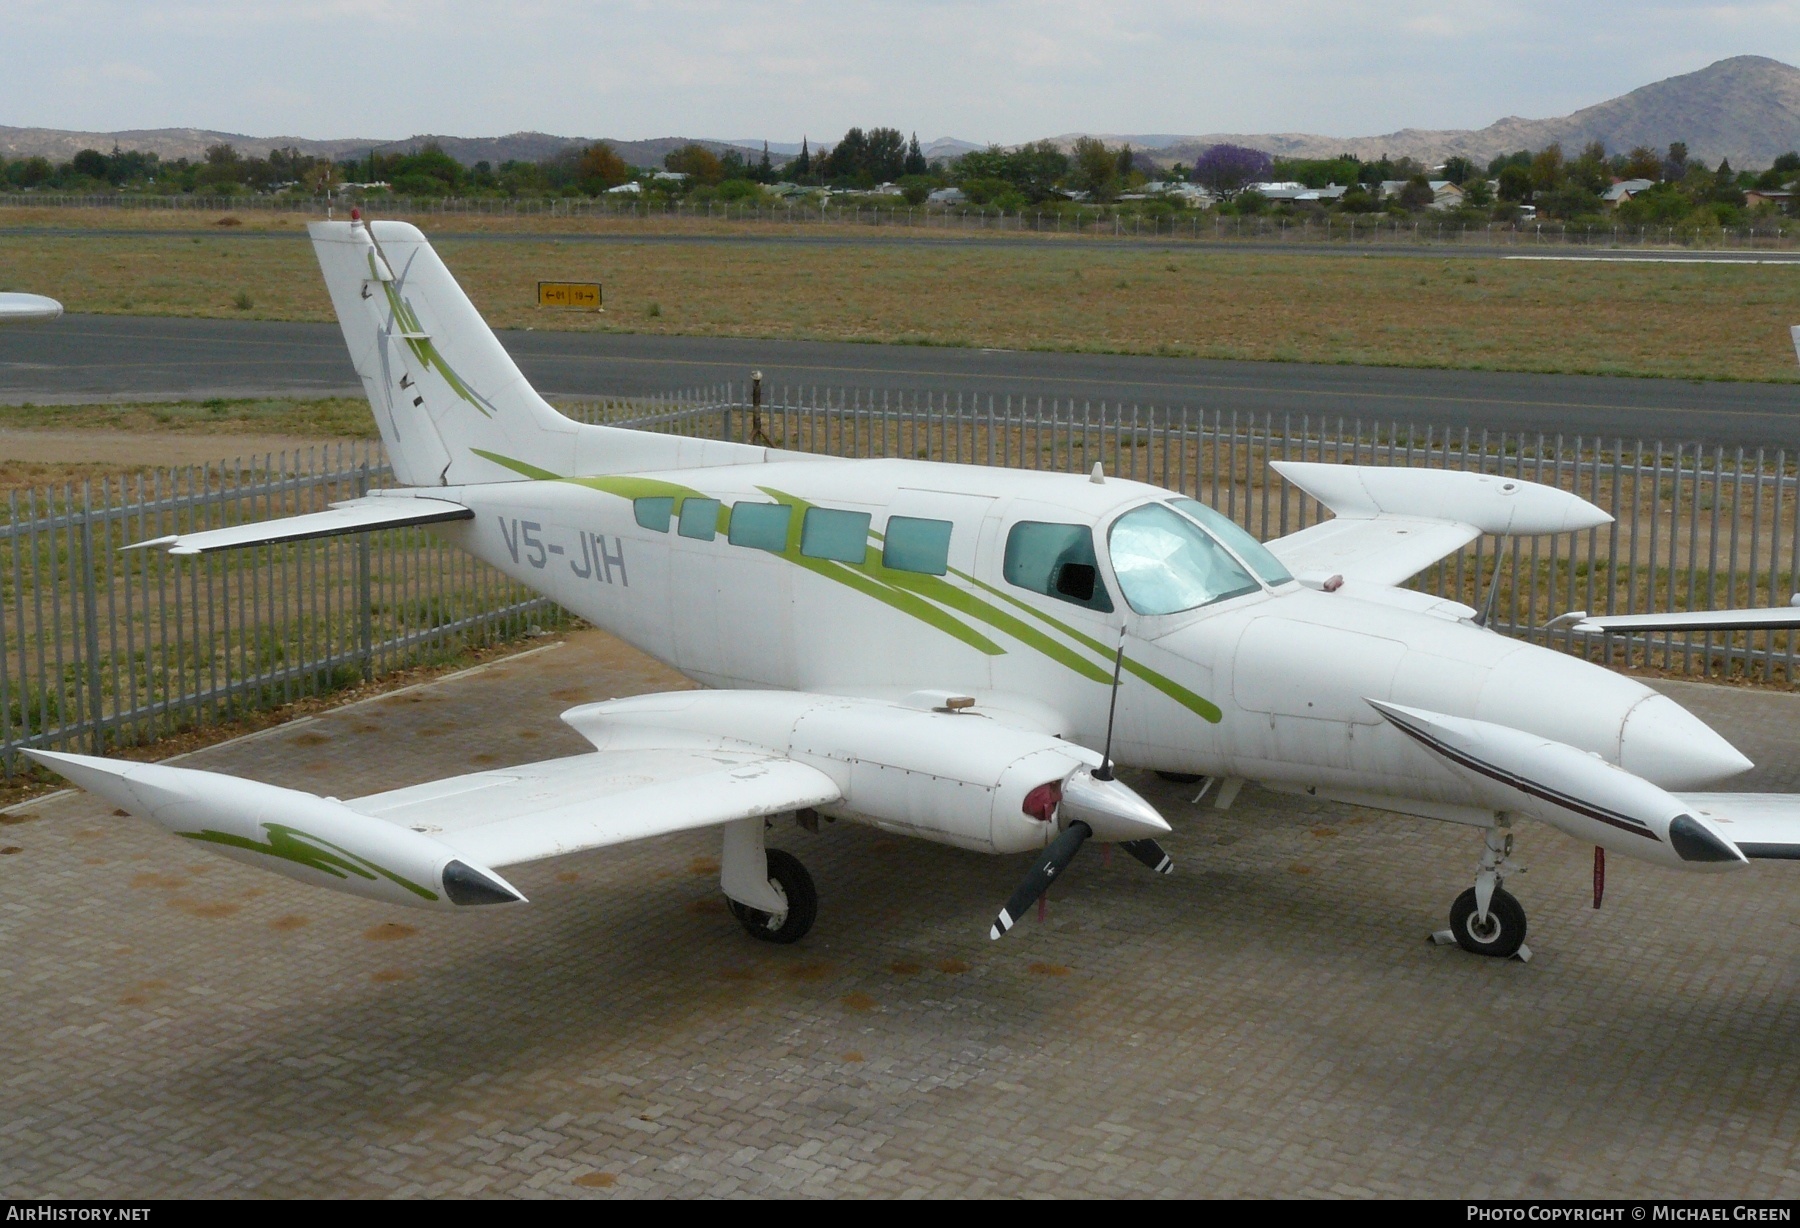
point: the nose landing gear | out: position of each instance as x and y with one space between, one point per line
1486 919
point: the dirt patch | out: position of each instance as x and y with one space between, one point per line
1042 969
905 967
311 739
205 908
952 967
289 922
390 931
597 1181
857 1000
811 970
388 976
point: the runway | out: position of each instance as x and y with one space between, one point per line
85 359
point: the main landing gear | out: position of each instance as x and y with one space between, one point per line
1486 919
790 881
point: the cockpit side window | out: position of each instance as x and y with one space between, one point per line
1057 560
1166 563
1237 539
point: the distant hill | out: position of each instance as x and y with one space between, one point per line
192 143
1746 108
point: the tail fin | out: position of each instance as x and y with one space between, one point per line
447 397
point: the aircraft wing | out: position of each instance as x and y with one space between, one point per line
1390 523
558 806
1763 825
436 845
351 516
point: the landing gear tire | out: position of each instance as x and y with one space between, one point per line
1500 936
793 884
1182 778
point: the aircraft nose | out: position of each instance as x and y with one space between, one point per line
1671 747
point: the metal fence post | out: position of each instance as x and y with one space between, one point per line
365 589
90 617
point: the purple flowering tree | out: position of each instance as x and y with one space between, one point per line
1225 169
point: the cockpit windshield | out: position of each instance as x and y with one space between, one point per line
1165 563
1238 539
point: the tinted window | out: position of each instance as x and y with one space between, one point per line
761 526
915 544
1235 537
830 534
653 513
1057 560
1166 563
699 518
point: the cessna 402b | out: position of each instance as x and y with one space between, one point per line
952 652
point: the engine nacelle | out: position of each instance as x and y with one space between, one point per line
953 776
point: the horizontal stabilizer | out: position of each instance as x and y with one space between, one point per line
28 309
1773 618
1392 522
352 516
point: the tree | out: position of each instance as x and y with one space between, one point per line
885 160
1515 182
1459 170
1675 167
845 161
1547 168
801 167
1225 169
223 165
1093 168
600 167
1477 193
765 173
90 163
1417 193
697 162
915 158
1642 163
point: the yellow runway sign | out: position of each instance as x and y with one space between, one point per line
583 295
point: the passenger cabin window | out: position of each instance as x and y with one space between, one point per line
699 519
1166 563
653 513
913 543
761 526
1237 539
1057 560
827 533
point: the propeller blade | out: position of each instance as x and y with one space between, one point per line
1151 854
1044 871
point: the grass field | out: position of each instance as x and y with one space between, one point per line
1700 321
47 446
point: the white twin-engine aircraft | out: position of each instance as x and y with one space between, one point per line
951 652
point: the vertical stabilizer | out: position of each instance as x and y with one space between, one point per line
443 389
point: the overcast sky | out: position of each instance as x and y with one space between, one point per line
982 70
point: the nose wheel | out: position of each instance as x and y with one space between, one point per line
1501 933
1486 919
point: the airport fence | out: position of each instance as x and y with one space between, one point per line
102 647
1127 220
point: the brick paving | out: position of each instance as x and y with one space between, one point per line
1268 1021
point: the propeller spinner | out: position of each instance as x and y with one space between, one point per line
1092 803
